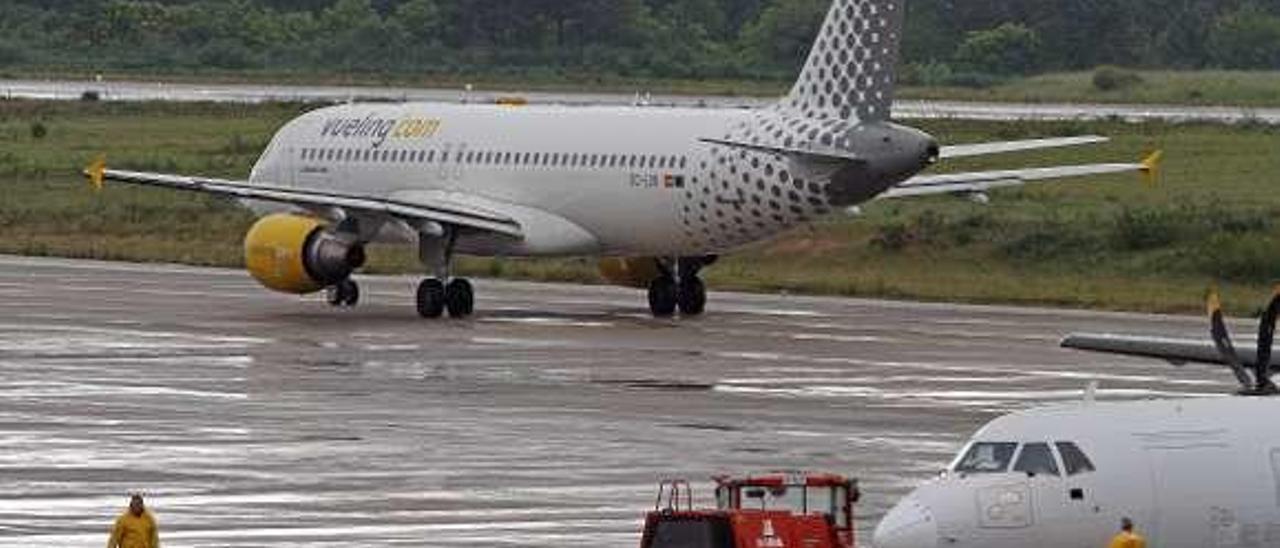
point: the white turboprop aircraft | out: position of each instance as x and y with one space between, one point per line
659 192
1191 473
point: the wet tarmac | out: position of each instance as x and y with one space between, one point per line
253 419
903 109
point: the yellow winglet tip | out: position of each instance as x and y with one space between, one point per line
1151 167
96 172
1214 302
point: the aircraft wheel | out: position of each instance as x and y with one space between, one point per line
431 298
345 293
692 297
460 298
662 297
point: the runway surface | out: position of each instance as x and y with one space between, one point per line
904 109
253 419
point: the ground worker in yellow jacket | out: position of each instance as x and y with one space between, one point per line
1127 538
135 528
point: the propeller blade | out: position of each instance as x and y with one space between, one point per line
1222 340
1266 336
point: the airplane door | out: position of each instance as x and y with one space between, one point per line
289 174
446 163
1190 503
459 166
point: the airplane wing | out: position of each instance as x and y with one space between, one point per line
438 211
985 181
1217 350
1177 351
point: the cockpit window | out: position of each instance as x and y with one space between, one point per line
1036 458
1073 459
987 458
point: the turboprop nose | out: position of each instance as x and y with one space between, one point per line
909 525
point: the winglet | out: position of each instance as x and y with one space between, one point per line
1213 302
1151 168
96 172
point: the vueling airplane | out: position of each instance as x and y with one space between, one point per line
1190 473
658 192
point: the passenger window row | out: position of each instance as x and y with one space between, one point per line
492 158
1034 458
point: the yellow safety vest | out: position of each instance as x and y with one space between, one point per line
1128 540
135 532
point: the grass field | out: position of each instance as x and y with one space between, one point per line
1106 243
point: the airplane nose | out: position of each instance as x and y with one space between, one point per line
909 525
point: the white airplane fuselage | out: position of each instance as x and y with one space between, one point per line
1190 473
584 181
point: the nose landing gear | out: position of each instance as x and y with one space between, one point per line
344 294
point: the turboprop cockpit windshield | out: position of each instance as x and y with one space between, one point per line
986 458
1036 458
1073 459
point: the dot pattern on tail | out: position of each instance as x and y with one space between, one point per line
736 196
850 71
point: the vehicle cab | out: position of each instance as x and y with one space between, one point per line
771 510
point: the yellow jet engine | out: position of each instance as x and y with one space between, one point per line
299 254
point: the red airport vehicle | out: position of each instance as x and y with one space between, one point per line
776 510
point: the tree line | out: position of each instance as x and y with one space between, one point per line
947 41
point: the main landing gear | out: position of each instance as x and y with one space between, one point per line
442 293
679 288
435 297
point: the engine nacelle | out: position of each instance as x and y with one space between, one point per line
635 272
298 254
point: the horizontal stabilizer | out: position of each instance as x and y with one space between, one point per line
828 154
986 149
1177 351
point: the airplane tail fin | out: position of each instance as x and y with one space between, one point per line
850 72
